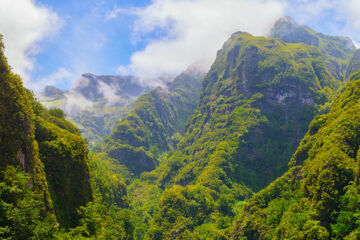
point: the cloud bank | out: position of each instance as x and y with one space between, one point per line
23 24
179 33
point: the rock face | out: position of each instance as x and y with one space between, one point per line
318 198
95 103
150 127
337 50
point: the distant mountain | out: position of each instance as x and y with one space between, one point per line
95 103
156 122
336 50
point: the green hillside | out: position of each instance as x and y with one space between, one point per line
257 101
318 198
50 187
155 123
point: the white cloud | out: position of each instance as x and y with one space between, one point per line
179 33
116 11
60 76
23 24
109 93
75 102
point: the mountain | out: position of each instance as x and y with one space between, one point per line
95 103
50 186
46 147
318 197
337 50
64 154
255 105
155 123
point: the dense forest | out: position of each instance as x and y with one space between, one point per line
262 146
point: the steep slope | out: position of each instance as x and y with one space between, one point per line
318 198
17 130
152 125
337 50
354 64
64 154
257 101
43 145
95 103
25 204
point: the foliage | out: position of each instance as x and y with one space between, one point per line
17 144
23 213
57 112
257 100
64 155
106 175
139 139
318 197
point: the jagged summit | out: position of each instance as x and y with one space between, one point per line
336 50
238 33
288 30
288 19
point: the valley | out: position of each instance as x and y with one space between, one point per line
263 145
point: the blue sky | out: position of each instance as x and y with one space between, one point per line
53 42
86 41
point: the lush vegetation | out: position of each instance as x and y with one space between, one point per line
206 157
255 106
50 187
155 123
354 64
318 198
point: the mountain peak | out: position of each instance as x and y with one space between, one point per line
287 20
288 30
235 34
50 91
